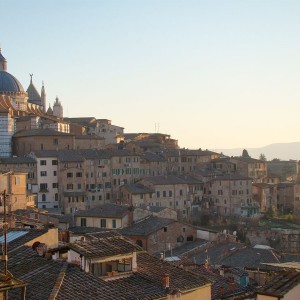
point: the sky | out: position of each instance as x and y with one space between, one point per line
213 74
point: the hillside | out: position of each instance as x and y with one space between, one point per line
283 151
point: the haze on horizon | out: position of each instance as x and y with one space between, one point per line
213 74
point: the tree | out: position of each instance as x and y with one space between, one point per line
262 157
245 153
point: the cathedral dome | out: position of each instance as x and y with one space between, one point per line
9 84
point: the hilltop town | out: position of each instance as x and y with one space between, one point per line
89 211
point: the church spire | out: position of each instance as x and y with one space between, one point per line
3 62
43 97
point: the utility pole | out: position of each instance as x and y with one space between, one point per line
4 233
4 245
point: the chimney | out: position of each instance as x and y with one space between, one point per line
166 281
162 256
130 215
222 291
134 262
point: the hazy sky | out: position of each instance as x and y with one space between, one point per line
213 74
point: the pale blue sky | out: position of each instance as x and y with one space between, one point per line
213 74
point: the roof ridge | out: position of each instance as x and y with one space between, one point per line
58 282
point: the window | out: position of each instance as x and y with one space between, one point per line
83 222
107 185
158 194
55 185
164 194
43 186
43 162
43 173
141 196
44 197
69 175
70 186
93 198
79 174
54 162
107 196
170 193
30 175
180 193
79 186
56 197
55 141
114 223
17 180
103 223
54 173
165 229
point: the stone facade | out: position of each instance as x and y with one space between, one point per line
231 195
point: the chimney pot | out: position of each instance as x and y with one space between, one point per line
166 281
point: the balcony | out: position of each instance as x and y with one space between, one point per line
44 190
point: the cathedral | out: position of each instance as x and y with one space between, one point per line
18 106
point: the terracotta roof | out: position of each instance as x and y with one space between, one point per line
248 160
152 157
222 287
104 244
137 188
107 210
281 284
40 132
165 180
17 160
188 152
229 177
85 230
146 226
152 268
238 255
48 279
84 121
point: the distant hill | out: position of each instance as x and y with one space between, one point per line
283 151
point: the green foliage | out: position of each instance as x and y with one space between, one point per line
262 157
245 153
270 214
